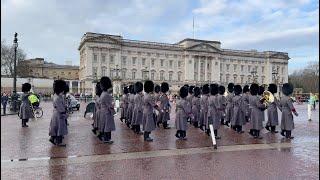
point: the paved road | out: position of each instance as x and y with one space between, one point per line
27 154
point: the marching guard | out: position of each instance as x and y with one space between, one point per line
272 110
58 127
183 112
138 108
96 112
106 111
287 108
204 105
238 119
196 107
156 113
165 105
213 117
130 105
229 109
124 104
25 111
245 102
222 102
189 98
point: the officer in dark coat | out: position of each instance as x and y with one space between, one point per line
213 113
222 103
107 110
204 105
96 111
124 104
183 112
272 110
58 127
257 111
149 104
287 108
238 119
165 105
138 107
229 109
245 102
196 107
25 112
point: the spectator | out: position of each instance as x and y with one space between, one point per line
4 101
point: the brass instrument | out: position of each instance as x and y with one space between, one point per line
267 98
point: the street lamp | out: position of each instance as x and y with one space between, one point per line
254 72
14 96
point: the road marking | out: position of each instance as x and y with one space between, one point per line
47 161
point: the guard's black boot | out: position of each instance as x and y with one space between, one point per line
208 132
100 136
183 135
195 124
201 127
282 133
147 137
268 127
216 134
59 142
108 138
227 123
158 124
240 130
22 123
178 134
222 121
258 134
273 129
251 132
94 130
165 125
288 135
52 140
138 130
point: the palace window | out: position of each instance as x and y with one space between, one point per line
195 66
241 79
179 76
162 62
175 56
234 67
202 67
161 76
134 60
123 74
195 76
262 69
95 58
123 62
170 63
221 66
103 58
242 66
111 59
94 71
234 79
104 71
152 75
152 62
220 78
228 66
133 75
249 68
216 63
143 61
208 66
170 76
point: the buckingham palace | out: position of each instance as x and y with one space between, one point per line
190 61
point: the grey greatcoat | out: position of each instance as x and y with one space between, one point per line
130 107
213 117
164 108
149 123
189 99
221 106
196 109
156 99
96 113
238 114
124 105
183 111
204 109
138 109
286 106
245 105
229 108
272 113
106 113
58 126
25 111
257 112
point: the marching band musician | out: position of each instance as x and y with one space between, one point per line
58 127
107 110
287 108
148 120
229 108
272 111
238 119
257 111
245 102
96 112
130 105
165 105
222 104
204 105
213 117
124 104
196 107
25 111
183 112
138 108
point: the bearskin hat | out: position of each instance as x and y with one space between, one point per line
196 91
245 89
157 88
214 89
148 86
138 87
191 89
254 88
187 85
59 86
164 87
26 87
205 89
98 89
183 92
125 90
237 89
230 87
222 90
261 90
131 89
273 88
287 89
105 83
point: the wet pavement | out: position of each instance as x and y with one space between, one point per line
26 153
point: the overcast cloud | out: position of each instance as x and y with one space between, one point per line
53 29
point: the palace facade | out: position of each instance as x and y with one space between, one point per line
190 61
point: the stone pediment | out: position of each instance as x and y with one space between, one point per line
204 47
103 39
279 56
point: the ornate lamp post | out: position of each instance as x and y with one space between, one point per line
14 94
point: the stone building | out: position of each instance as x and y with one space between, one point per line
39 68
190 61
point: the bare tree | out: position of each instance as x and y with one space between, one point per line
7 60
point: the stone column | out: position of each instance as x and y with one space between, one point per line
198 63
70 86
205 68
78 87
93 89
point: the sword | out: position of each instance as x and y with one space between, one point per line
213 137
